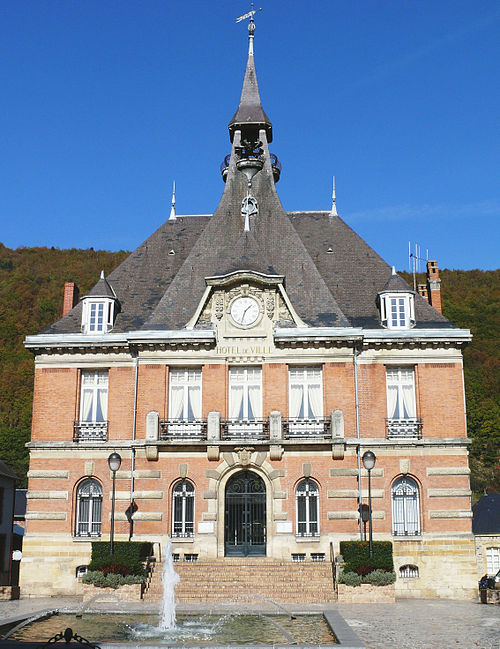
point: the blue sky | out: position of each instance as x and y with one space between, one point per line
105 102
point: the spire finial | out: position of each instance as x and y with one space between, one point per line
251 26
172 216
102 274
394 270
334 204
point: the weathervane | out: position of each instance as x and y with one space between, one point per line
250 14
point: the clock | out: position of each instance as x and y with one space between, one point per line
245 311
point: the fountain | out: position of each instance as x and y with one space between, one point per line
209 630
169 578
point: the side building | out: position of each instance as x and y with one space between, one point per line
241 363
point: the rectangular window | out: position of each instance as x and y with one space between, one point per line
245 393
245 401
185 395
306 393
397 315
96 317
492 560
401 403
94 396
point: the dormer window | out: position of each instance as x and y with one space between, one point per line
397 304
97 316
100 308
397 311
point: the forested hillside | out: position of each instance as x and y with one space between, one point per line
31 292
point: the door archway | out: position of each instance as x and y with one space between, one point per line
245 515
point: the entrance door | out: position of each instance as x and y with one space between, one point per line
245 515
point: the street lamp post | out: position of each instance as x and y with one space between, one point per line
114 462
369 458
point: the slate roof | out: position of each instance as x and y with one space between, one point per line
486 515
101 289
332 276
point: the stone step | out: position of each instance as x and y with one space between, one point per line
238 579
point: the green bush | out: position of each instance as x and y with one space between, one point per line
127 557
380 578
111 580
357 556
349 579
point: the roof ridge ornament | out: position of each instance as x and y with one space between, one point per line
172 216
334 203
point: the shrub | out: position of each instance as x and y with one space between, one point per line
111 580
349 579
357 556
128 556
380 578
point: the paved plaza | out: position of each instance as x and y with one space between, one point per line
408 624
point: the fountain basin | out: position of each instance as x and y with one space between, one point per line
115 631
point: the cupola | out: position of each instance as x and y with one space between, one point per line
100 308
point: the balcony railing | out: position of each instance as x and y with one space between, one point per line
244 429
178 429
404 428
307 428
90 430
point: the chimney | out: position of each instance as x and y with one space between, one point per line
71 294
434 285
422 290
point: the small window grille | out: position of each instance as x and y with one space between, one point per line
408 571
317 556
191 558
81 570
298 557
175 558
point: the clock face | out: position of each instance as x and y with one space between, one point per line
245 311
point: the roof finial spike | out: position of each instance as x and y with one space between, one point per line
172 216
102 274
394 270
334 203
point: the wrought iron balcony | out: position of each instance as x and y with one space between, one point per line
178 429
245 429
410 428
307 428
90 430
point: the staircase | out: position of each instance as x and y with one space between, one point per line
241 579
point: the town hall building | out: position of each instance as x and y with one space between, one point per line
241 363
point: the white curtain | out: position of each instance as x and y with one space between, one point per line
409 401
236 402
315 401
392 401
101 405
87 404
296 400
176 405
254 402
194 402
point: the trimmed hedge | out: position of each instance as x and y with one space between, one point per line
100 580
127 557
357 556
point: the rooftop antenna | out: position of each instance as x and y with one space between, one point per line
172 216
334 205
414 260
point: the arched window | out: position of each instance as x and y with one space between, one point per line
307 496
88 508
183 509
405 508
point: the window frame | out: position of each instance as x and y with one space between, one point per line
492 559
186 384
183 494
108 312
245 398
409 528
305 382
407 301
91 509
307 522
95 387
400 384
